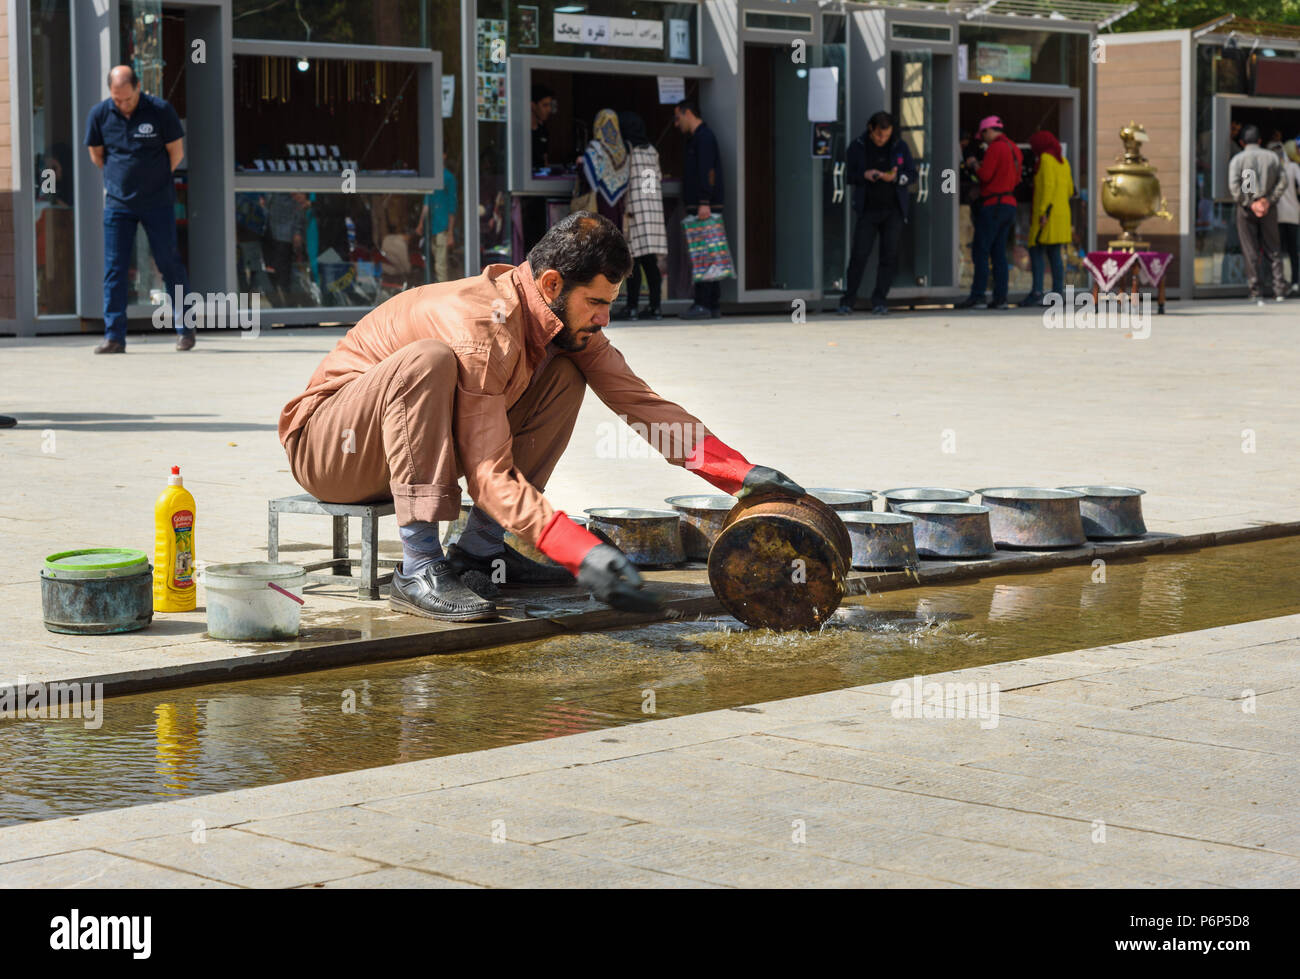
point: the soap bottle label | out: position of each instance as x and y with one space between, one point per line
183 527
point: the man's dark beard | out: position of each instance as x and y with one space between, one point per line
566 339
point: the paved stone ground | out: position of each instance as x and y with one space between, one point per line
928 398
1167 762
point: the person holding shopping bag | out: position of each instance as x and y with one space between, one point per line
643 221
1049 226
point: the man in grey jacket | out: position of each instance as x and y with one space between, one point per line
1256 180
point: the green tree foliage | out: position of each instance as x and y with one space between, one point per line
1160 15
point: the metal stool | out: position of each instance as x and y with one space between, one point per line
370 579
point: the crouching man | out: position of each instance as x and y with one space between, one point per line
483 377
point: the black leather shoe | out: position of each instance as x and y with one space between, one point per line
514 571
626 313
971 302
698 312
185 341
654 314
111 347
437 593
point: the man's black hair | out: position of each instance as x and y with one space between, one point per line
132 77
690 105
581 247
881 120
1249 134
541 91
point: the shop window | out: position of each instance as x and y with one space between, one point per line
53 141
1001 54
299 249
757 20
399 23
323 115
920 32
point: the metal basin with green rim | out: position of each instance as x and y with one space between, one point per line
96 591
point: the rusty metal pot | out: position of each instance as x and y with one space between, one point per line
1033 518
950 530
881 541
923 494
702 520
843 499
1111 512
780 562
649 538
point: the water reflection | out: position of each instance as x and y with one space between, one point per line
219 737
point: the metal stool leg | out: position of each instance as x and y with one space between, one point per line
272 532
342 563
369 557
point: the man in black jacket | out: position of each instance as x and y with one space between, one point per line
880 168
701 192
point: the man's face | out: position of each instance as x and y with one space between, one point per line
881 136
544 108
682 120
988 135
584 311
125 96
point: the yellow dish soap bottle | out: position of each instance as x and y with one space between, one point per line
173 543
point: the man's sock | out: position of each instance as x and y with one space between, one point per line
420 546
482 536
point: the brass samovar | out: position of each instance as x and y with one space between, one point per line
1131 192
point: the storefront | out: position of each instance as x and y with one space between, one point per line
1194 90
427 109
325 152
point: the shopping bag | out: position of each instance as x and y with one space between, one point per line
706 241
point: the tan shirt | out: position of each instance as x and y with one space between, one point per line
499 326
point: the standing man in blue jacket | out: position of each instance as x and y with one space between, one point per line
136 139
701 193
880 168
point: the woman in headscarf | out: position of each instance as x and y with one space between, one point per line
604 166
1049 226
647 238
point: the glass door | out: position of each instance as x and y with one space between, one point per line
912 82
835 198
793 241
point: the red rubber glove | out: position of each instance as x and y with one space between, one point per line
601 568
564 542
730 472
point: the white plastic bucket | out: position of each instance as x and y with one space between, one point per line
249 601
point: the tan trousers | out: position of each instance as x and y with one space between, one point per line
388 434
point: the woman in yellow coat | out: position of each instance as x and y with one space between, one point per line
1049 227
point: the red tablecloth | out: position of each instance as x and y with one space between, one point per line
1108 268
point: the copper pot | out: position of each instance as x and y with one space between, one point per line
780 562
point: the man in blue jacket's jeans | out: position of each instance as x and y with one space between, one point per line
136 139
879 167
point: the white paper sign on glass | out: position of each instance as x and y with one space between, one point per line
823 86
